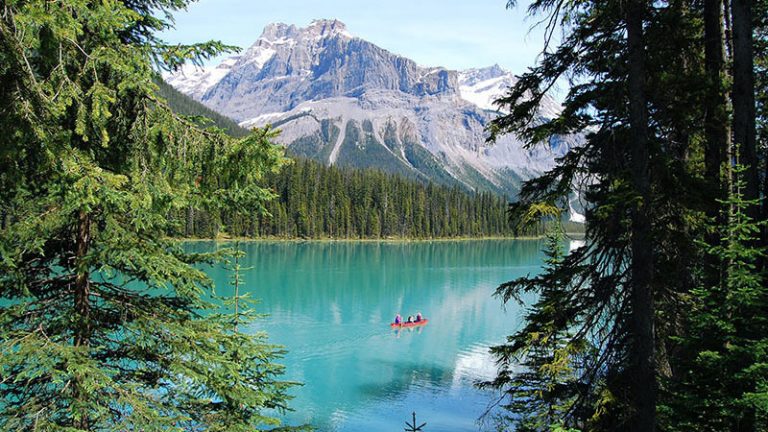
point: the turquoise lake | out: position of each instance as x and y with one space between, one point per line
330 305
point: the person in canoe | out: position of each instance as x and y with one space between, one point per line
418 321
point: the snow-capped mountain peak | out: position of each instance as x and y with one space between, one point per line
275 31
195 80
484 85
473 76
322 28
344 100
317 29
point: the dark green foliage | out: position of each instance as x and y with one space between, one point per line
596 285
655 300
542 366
105 324
722 382
250 355
315 201
203 116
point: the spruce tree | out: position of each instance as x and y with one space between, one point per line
664 301
723 379
105 324
541 366
250 355
634 97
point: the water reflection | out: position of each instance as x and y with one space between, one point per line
330 304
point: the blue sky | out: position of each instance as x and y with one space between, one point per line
457 34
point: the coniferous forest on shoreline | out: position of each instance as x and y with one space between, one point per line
316 201
658 322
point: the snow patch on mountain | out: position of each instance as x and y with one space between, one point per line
259 56
344 100
483 86
262 119
484 94
195 80
575 216
337 144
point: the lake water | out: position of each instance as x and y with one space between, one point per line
330 304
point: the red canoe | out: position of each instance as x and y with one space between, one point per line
411 324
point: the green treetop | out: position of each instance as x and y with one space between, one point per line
656 302
103 322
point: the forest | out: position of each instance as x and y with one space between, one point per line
658 322
315 201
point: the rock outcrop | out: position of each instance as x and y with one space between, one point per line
343 100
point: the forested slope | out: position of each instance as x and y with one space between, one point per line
315 201
187 106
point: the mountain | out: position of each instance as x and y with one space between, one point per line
316 201
342 100
184 105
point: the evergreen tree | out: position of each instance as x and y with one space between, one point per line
340 202
640 327
104 322
649 87
723 380
251 357
636 94
543 366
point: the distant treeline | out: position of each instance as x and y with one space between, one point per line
315 201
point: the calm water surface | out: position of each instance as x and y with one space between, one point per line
330 304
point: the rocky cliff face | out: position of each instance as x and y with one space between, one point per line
343 100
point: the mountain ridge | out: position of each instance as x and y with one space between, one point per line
342 100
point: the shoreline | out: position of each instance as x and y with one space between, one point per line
227 239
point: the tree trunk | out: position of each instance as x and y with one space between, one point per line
82 278
728 29
744 99
716 128
237 286
641 350
744 131
764 238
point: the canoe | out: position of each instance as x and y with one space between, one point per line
407 324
